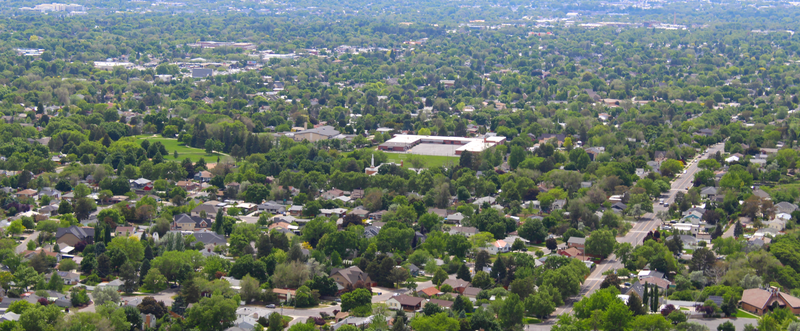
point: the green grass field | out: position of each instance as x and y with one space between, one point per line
183 151
430 160
743 314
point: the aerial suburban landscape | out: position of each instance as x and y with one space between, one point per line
431 165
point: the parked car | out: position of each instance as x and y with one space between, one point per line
271 305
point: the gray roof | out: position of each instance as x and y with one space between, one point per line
81 233
576 240
210 238
326 130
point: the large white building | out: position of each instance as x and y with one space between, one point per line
405 142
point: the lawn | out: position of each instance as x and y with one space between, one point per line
183 151
431 161
531 320
743 314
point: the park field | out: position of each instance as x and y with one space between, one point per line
431 161
184 151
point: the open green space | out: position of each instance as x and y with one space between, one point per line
194 154
430 161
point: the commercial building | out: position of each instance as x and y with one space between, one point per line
405 143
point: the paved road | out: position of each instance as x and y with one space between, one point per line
23 245
636 235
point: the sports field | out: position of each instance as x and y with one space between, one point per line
192 153
430 161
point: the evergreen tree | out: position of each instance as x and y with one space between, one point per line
128 275
265 246
144 269
148 253
635 305
481 260
179 305
498 269
103 265
738 230
190 291
463 273
218 222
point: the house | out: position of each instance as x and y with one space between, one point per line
650 273
708 192
27 255
758 301
357 194
360 212
338 212
456 218
49 210
316 134
457 284
148 321
371 231
577 242
660 282
785 207
247 207
618 207
405 302
499 246
430 291
558 204
472 292
185 222
142 184
27 193
705 132
377 215
53 194
115 284
210 238
480 201
295 210
272 207
284 295
358 322
660 156
442 303
124 231
203 176
761 194
72 235
332 194
571 252
349 276
413 270
209 209
463 230
187 185
438 211
68 277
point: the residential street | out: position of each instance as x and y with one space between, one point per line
647 223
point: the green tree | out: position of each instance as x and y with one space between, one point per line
511 312
358 298
437 322
600 243
617 316
154 281
214 313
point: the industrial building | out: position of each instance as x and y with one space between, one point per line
457 145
